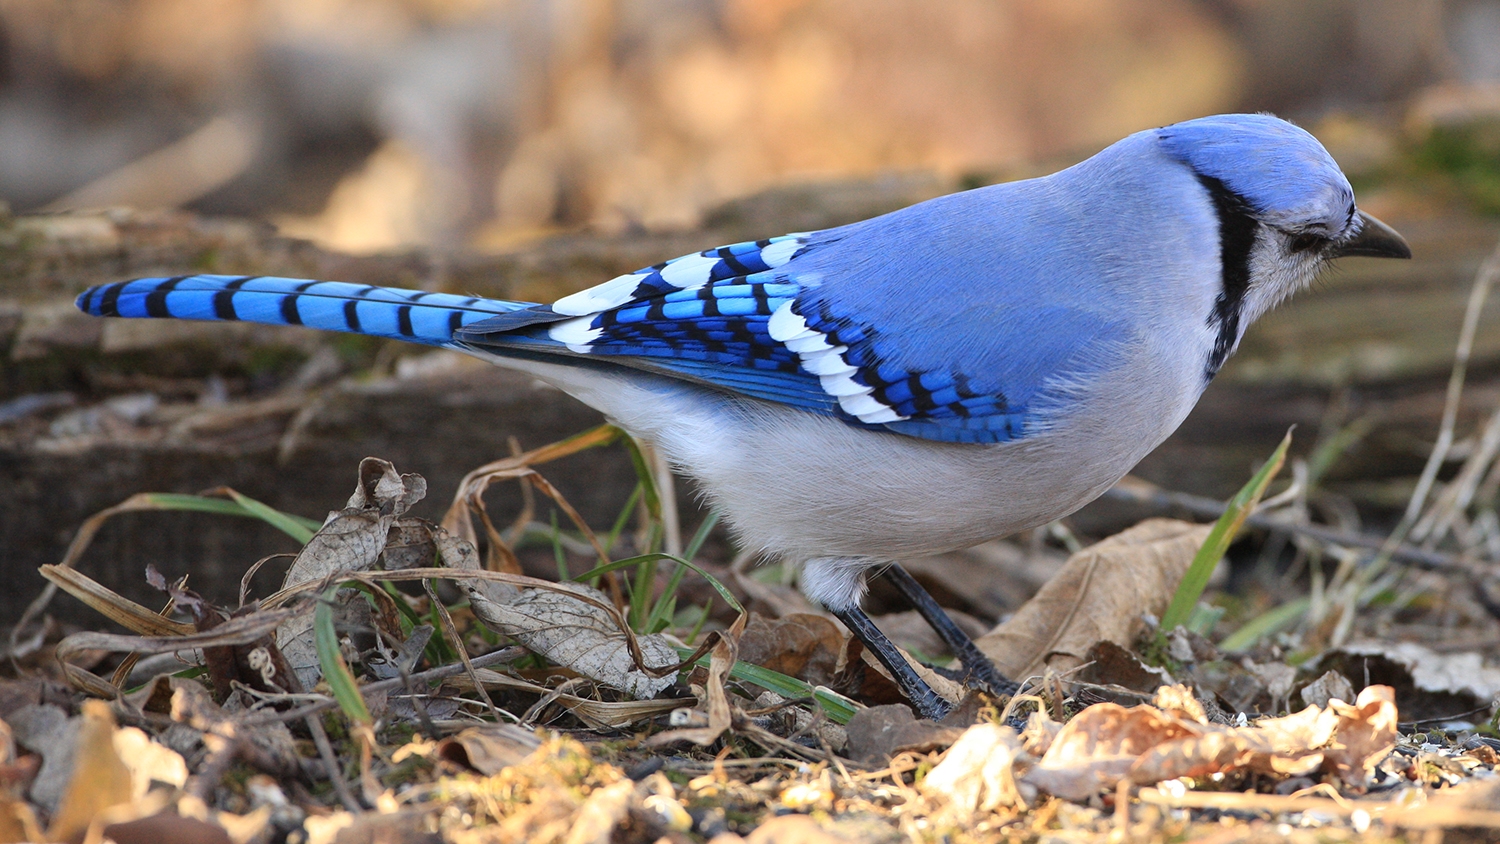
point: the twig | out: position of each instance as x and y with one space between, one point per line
1483 281
450 630
441 672
331 764
1144 492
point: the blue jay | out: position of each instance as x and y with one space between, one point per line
952 372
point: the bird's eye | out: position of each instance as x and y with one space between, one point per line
1304 242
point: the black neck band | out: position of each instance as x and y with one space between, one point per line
1237 229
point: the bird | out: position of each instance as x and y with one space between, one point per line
952 372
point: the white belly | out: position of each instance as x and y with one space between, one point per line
812 490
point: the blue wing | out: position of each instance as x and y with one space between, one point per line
744 319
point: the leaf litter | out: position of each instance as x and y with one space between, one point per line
408 682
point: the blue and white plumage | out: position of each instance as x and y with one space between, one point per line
922 381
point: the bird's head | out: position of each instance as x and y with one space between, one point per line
1285 210
1285 181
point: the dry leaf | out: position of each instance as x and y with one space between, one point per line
581 635
977 773
47 730
946 688
148 761
1462 674
801 645
1365 734
350 540
490 748
795 829
603 811
909 630
17 822
1106 743
100 780
1100 595
720 712
877 733
598 714
1330 686
1099 746
167 828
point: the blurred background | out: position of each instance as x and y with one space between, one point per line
369 125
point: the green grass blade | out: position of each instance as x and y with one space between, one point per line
667 603
634 561
647 479
702 619
558 554
837 707
1264 625
701 536
620 521
1196 579
331 660
297 527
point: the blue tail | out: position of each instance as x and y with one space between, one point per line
410 315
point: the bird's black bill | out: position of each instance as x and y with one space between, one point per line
1375 240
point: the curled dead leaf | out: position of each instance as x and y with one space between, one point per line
801 645
977 773
572 626
1100 595
1106 743
350 540
1366 732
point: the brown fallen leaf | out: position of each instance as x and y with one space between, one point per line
1100 595
18 822
720 711
1100 745
797 829
1330 685
801 645
1428 684
946 688
911 631
1365 734
576 631
978 772
46 730
99 780
489 749
876 733
603 811
1106 743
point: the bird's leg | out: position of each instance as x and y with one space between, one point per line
928 703
979 670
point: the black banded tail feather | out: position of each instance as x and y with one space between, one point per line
411 315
